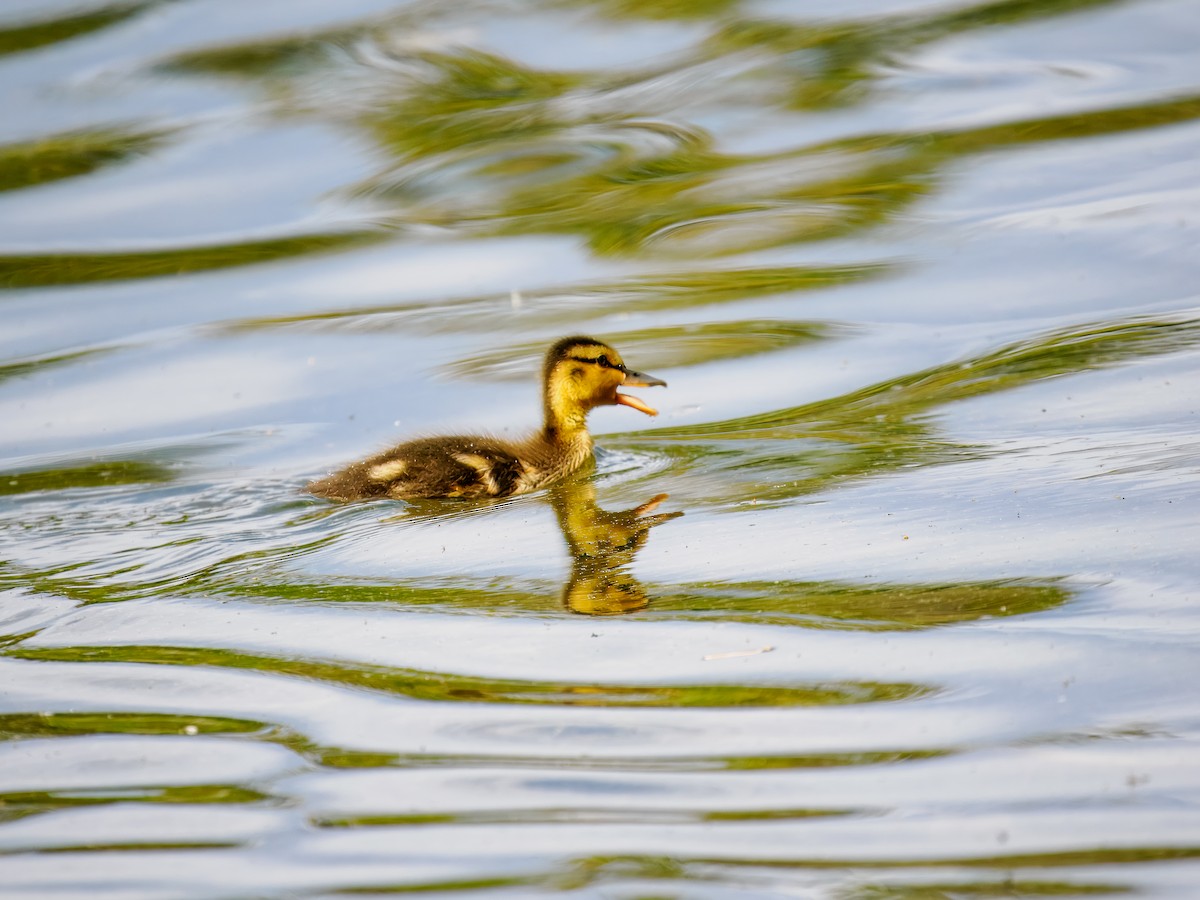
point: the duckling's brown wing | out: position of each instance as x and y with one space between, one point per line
457 467
433 467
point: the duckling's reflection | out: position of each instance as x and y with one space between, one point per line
602 546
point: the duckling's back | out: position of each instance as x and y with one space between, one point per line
432 467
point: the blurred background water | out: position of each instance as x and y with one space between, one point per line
923 279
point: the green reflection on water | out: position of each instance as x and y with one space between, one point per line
671 876
577 815
30 365
946 890
600 870
49 269
71 155
104 473
1072 126
889 408
565 306
445 687
828 64
482 144
887 426
282 55
833 605
466 95
694 201
1092 856
14 726
22 726
656 9
139 847
456 885
486 145
23 804
858 607
19 726
19 38
357 759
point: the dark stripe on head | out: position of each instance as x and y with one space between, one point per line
565 348
603 361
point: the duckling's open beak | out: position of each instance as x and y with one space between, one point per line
639 379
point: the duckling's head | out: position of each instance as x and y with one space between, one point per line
581 373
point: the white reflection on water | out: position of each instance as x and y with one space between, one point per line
163 392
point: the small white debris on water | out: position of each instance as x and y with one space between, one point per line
734 654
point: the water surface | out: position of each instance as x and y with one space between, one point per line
916 618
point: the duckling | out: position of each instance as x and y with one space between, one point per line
579 374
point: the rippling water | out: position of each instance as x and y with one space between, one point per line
918 618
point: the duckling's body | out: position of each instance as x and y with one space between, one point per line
457 466
579 374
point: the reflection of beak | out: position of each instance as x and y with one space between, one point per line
639 379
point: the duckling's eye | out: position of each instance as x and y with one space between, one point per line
605 362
